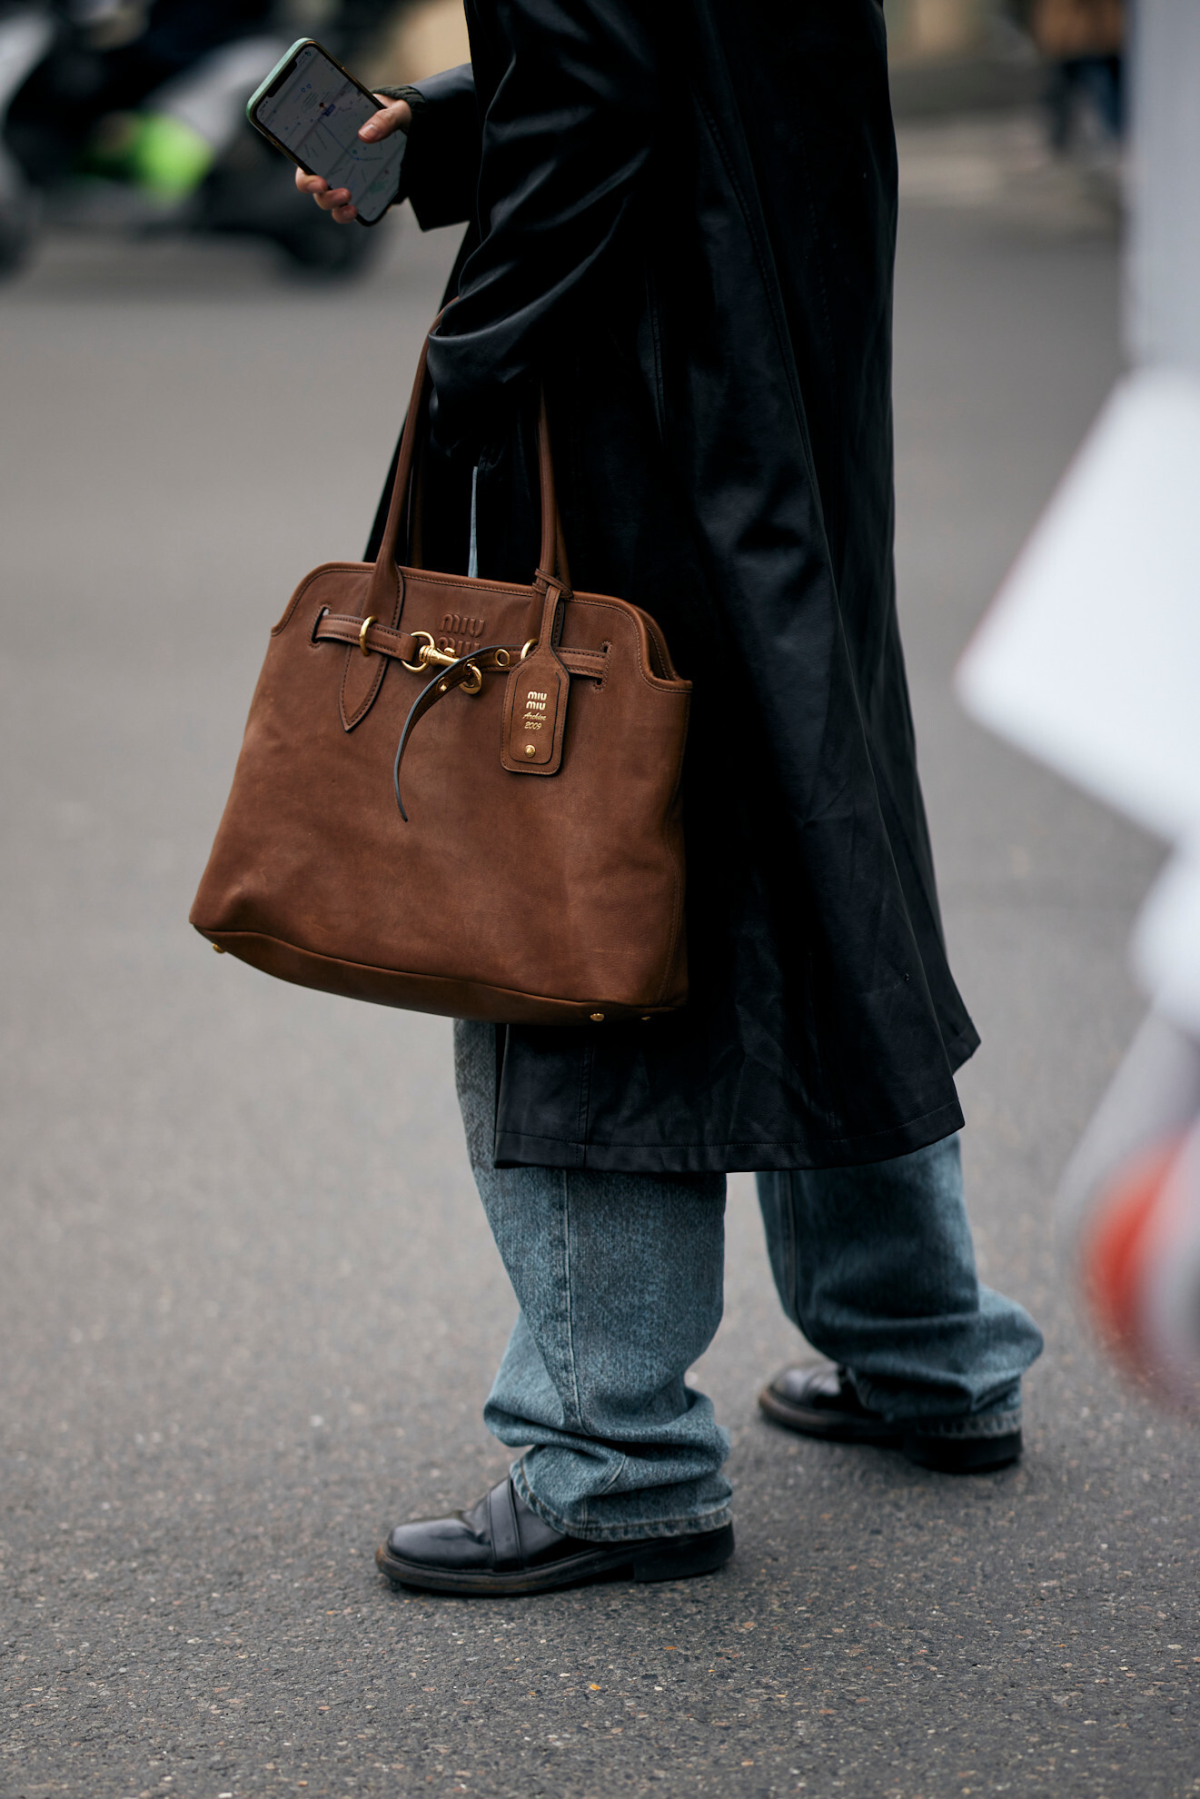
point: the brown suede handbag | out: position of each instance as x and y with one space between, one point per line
458 796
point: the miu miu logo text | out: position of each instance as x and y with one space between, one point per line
460 633
535 710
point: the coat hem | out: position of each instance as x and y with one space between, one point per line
962 1047
520 1149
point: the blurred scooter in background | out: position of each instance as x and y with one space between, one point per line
127 115
1090 660
26 35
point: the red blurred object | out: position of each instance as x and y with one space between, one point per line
1114 1251
1132 1195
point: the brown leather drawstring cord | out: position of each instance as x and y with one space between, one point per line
443 682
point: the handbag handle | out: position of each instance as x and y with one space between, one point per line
383 590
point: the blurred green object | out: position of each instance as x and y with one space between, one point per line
169 157
153 150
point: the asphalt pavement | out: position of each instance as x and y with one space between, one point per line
249 1307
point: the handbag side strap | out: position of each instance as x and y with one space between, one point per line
383 590
553 558
384 587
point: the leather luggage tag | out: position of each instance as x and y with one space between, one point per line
535 706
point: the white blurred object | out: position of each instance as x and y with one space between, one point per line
1166 940
1090 657
24 41
1151 1100
1090 660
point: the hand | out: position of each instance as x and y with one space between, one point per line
396 116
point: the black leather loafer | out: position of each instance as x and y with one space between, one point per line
821 1402
502 1546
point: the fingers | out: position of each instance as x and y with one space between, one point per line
396 116
335 200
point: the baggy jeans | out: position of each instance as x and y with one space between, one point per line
619 1279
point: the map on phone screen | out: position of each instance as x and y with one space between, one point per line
317 113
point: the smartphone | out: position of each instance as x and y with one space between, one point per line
311 108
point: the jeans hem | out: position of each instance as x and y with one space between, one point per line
713 1519
969 1429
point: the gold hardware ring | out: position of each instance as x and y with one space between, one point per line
418 667
362 636
429 656
531 645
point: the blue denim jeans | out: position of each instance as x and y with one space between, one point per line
619 1281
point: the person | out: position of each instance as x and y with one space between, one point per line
1083 42
681 225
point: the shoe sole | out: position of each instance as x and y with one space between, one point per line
941 1455
674 1558
962 1455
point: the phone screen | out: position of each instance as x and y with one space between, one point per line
317 111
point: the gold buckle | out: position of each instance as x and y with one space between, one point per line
429 656
362 636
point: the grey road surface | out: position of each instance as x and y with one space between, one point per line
249 1308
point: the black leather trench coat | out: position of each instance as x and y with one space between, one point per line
682 219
